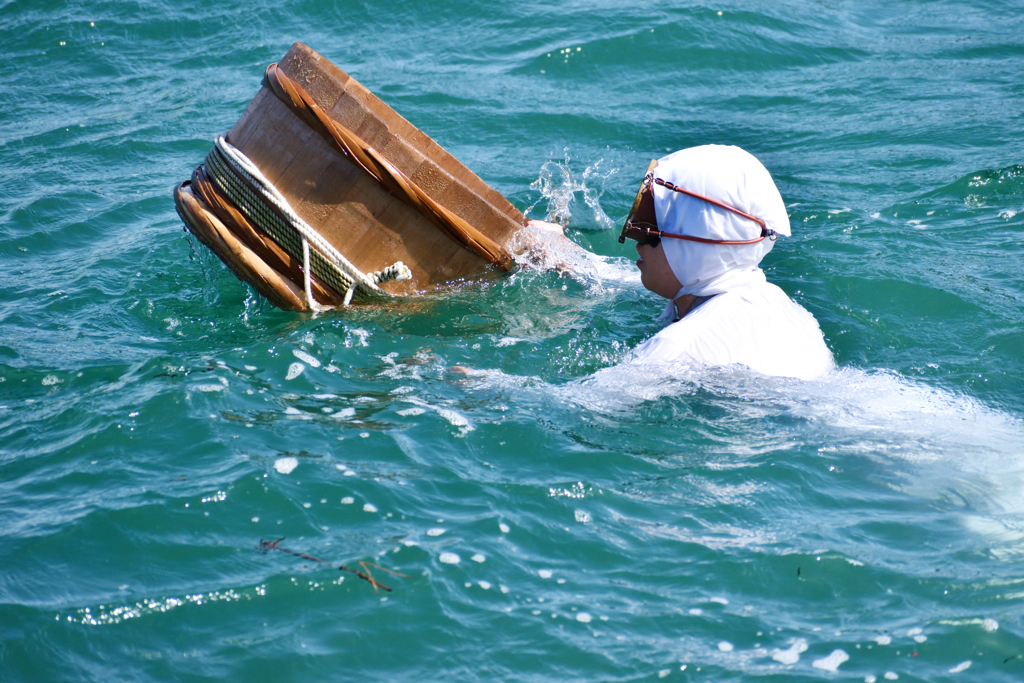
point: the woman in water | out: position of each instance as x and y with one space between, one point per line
703 219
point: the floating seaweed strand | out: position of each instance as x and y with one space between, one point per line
367 576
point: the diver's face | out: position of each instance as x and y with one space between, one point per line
655 273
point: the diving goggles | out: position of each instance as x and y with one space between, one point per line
646 233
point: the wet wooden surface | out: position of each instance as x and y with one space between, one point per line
364 221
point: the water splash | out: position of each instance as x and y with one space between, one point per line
931 443
558 186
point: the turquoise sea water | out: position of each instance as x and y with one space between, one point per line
555 516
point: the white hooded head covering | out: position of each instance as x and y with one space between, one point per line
734 177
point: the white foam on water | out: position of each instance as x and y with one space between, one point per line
436 531
584 617
344 413
478 558
582 516
883 639
286 465
940 441
449 558
696 611
369 507
348 500
725 646
832 661
455 418
544 573
791 655
306 358
410 412
863 410
294 370
507 341
962 666
357 336
988 623
890 675
505 528
486 585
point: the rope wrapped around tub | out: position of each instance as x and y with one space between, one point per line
248 189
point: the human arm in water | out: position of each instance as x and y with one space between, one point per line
554 228
543 245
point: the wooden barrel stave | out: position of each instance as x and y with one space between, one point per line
349 208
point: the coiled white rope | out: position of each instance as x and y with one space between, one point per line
307 286
358 279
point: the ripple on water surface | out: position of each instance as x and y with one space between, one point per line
181 463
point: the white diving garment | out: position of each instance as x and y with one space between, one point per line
755 325
740 318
